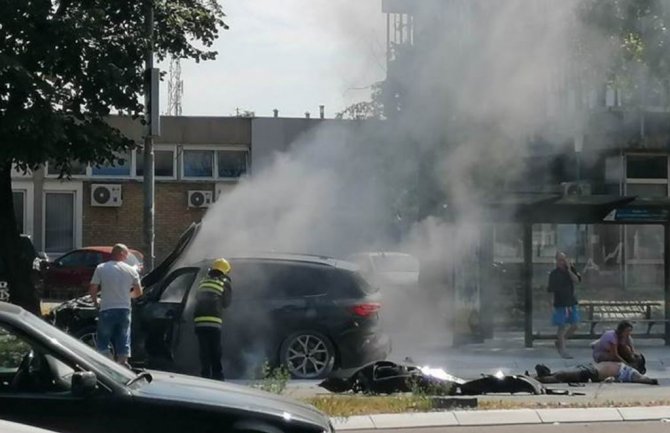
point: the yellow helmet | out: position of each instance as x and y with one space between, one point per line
221 265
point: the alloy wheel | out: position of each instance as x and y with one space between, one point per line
308 356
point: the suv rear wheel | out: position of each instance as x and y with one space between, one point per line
307 355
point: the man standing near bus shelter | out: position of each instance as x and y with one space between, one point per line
566 309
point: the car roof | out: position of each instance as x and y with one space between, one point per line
290 257
104 249
6 307
382 253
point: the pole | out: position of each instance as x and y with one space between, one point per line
666 281
148 220
527 282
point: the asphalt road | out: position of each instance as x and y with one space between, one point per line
619 427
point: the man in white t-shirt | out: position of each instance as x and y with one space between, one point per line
117 283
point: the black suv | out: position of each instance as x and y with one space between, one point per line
311 314
29 255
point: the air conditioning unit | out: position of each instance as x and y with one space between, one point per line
106 195
576 188
199 198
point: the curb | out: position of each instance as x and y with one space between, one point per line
463 418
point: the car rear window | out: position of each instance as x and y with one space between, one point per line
347 283
396 263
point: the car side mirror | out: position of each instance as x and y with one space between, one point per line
84 383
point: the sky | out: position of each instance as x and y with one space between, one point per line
292 55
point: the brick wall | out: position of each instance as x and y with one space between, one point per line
110 225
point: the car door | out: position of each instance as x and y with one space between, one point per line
35 389
65 273
161 316
299 291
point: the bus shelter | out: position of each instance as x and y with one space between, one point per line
530 209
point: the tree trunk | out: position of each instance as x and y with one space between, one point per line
21 290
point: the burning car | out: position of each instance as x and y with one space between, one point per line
310 314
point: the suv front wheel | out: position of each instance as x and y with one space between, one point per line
307 355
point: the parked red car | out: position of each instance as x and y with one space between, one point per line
69 275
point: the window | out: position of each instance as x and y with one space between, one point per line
644 242
120 167
163 163
182 280
350 284
544 240
508 241
73 260
77 168
647 190
43 372
198 163
59 221
231 163
12 350
19 198
299 281
646 167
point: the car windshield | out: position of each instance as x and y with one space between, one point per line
111 369
395 263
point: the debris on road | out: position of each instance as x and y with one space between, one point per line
386 377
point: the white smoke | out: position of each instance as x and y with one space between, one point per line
483 78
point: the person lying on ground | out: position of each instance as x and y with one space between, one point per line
599 372
616 345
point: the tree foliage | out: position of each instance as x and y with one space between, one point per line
372 109
638 32
67 64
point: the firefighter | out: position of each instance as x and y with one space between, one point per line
213 295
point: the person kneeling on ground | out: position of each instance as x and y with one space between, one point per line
601 372
617 346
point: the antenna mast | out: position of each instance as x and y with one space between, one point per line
175 87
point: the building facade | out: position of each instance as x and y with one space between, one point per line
197 159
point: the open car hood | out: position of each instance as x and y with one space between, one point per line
182 244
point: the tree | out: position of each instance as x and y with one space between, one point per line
372 109
639 36
64 66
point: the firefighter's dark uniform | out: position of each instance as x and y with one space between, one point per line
214 294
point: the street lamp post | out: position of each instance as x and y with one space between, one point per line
152 128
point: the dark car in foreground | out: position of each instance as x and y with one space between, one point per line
12 427
52 380
310 314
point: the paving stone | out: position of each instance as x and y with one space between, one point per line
497 417
644 413
353 423
414 420
579 415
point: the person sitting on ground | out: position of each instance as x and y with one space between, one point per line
616 345
600 372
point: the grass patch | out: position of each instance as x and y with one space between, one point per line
509 404
350 405
274 379
343 406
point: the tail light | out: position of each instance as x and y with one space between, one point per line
366 310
